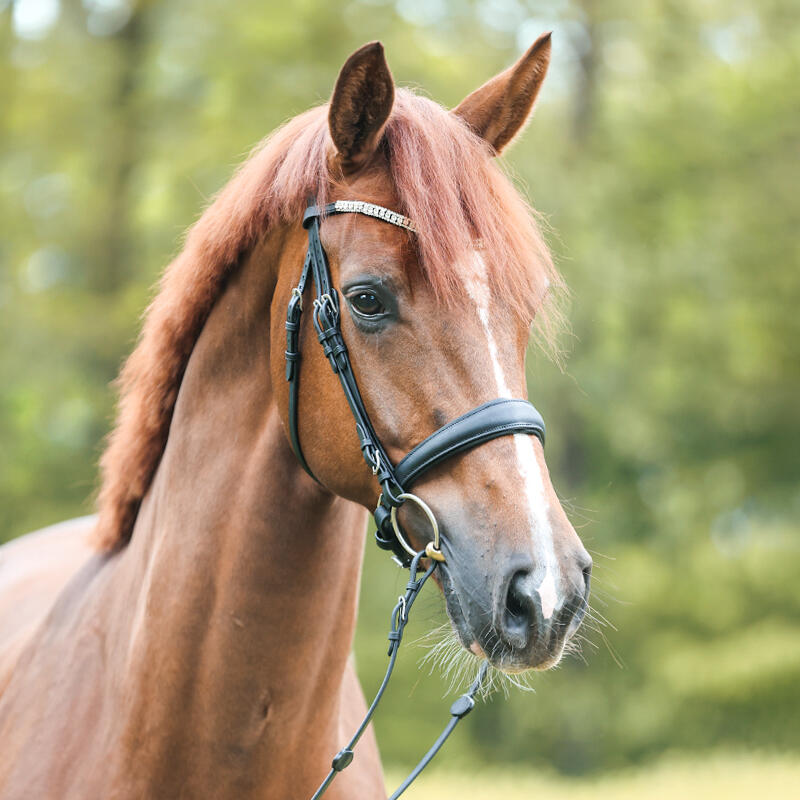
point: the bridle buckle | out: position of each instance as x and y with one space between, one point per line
325 301
376 462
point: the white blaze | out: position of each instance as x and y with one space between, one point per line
548 594
532 480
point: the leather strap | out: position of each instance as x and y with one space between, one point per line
501 417
292 355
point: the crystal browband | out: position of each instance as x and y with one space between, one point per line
371 210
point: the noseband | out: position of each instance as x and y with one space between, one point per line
500 417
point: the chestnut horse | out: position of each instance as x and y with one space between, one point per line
199 647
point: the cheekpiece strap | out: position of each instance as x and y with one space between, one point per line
326 319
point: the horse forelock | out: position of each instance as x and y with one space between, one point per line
445 181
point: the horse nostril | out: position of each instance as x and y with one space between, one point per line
585 562
518 613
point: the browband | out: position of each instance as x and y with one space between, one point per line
500 417
357 207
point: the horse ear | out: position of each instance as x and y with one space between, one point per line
500 108
360 106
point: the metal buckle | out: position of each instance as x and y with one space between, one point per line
327 299
376 462
325 304
433 548
299 295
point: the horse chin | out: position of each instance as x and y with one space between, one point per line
511 667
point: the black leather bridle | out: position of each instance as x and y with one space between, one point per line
500 417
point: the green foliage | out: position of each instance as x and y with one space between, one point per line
664 155
729 777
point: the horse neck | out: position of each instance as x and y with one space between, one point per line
243 573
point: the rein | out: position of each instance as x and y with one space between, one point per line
499 417
460 708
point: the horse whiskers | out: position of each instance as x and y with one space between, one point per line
596 625
574 647
594 615
454 663
597 554
612 652
577 510
600 596
457 665
578 640
505 681
446 656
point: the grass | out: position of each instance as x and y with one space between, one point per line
729 777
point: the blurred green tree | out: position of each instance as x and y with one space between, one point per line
664 154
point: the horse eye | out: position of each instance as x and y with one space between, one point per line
366 303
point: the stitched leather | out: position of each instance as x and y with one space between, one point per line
501 417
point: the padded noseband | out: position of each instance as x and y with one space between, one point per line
499 417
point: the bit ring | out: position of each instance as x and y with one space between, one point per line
432 549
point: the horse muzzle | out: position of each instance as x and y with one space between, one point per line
521 616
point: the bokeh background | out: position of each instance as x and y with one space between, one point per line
665 156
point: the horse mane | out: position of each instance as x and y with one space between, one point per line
445 181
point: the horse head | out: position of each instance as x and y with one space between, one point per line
436 321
